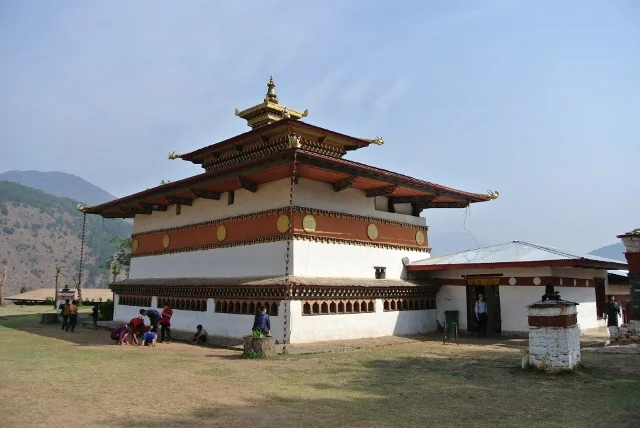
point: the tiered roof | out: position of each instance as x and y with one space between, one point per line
268 152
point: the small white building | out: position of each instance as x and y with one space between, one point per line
279 217
511 276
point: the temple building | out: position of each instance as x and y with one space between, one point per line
280 218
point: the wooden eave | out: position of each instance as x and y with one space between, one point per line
574 263
263 133
250 175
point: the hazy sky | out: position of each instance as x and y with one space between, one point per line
537 99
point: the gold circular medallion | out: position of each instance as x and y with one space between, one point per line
420 237
165 241
283 223
372 231
309 223
134 245
221 232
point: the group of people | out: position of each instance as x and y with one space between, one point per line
69 314
136 326
148 333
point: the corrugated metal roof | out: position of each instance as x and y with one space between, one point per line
624 273
510 252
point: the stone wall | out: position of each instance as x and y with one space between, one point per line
629 331
554 348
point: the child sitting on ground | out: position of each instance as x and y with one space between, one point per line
149 338
201 336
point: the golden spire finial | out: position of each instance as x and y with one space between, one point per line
270 110
271 92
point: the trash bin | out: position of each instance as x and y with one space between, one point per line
451 325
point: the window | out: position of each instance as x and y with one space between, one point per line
231 197
380 272
178 209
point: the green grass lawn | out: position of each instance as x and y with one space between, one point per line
49 377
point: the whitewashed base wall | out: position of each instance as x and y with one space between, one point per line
303 328
216 324
316 328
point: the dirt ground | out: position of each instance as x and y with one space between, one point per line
52 378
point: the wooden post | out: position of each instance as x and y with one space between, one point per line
3 279
55 297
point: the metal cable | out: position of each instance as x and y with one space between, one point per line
84 224
294 179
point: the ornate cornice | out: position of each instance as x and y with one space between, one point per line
277 292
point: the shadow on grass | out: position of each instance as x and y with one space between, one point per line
81 336
425 391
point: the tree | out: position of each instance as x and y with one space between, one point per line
121 259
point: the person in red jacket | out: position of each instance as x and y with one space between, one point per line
165 323
137 327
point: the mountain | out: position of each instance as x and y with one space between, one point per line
451 242
39 231
613 251
60 184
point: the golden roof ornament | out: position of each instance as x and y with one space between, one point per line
269 111
493 194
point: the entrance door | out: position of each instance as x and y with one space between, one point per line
600 296
492 296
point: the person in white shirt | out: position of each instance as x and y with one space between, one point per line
481 315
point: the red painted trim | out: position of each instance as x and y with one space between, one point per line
506 265
553 321
527 281
633 261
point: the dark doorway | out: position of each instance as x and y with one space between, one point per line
492 296
601 299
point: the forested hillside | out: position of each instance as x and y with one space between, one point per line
39 231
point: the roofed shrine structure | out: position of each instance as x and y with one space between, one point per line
279 217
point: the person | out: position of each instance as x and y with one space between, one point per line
119 334
64 313
201 336
613 312
165 323
481 315
73 316
95 315
137 327
149 338
262 322
154 318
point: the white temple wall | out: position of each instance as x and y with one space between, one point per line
515 299
246 260
452 298
314 328
319 195
343 260
269 196
216 324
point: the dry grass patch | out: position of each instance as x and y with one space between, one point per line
46 373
